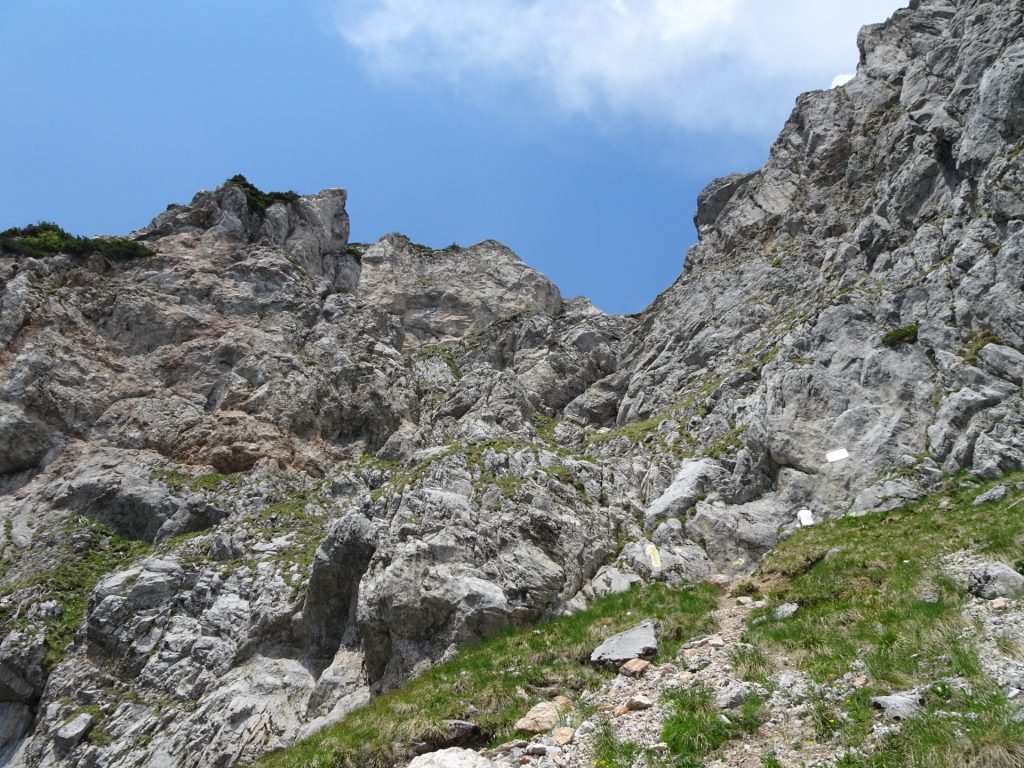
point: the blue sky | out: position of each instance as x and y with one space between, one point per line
578 132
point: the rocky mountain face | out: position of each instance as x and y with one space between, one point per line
264 474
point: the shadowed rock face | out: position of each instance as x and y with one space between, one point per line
421 448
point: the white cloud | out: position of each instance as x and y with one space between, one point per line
841 80
699 64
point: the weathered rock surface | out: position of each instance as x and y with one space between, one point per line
641 642
453 757
272 473
898 706
995 580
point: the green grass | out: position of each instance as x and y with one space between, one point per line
694 726
444 353
868 600
258 200
750 663
209 481
399 476
609 752
545 426
883 600
635 431
1010 646
905 334
47 239
490 676
980 734
290 515
976 342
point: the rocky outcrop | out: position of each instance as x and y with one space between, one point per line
263 474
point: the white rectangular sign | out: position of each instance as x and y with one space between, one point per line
837 455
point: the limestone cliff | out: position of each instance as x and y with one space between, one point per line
262 474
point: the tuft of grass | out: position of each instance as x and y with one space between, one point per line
1010 646
47 239
746 588
635 432
258 200
976 342
905 334
545 426
750 663
609 752
694 727
491 676
982 735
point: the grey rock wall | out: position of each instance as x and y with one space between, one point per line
253 480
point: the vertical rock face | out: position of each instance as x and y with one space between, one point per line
252 480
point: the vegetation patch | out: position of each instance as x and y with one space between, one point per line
258 200
905 334
976 342
609 752
545 426
68 583
209 481
491 677
295 515
445 354
695 727
47 239
871 590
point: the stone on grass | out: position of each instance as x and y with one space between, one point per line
995 580
544 716
585 728
734 692
992 494
785 611
458 733
898 706
634 704
611 581
640 642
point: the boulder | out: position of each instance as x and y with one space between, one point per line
541 718
72 732
898 706
996 493
995 580
453 757
640 642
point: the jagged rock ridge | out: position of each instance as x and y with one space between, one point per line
417 448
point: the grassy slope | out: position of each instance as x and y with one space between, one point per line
882 600
877 601
493 676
